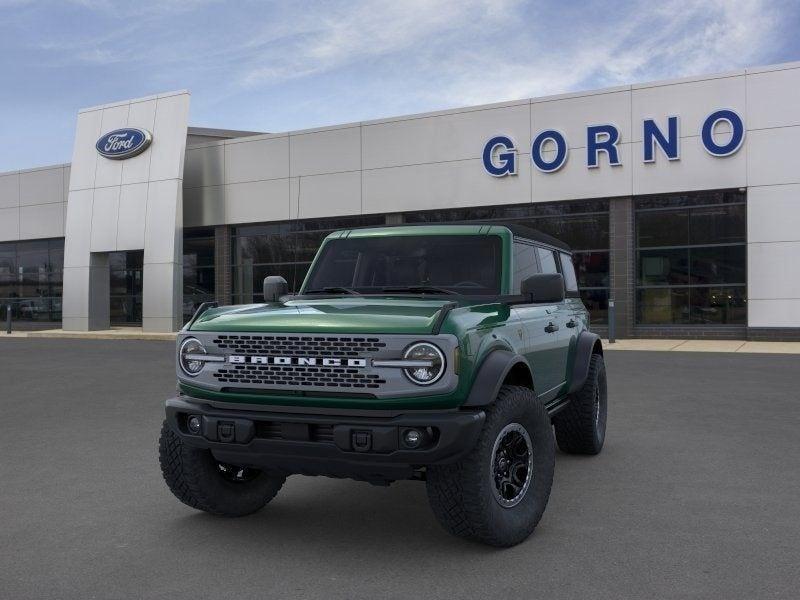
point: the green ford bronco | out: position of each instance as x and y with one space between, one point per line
457 355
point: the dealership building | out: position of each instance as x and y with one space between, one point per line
680 199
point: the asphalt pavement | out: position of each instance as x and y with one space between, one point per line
696 495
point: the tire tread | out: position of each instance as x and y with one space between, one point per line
574 425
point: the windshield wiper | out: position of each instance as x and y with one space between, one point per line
334 290
418 289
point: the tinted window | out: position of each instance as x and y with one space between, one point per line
570 281
591 268
692 259
547 259
663 228
467 264
525 264
725 224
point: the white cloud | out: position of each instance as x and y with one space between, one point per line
322 41
680 39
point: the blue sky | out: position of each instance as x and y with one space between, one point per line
276 66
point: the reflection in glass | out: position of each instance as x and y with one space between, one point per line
31 280
662 306
719 306
687 245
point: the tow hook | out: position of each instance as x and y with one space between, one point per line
362 441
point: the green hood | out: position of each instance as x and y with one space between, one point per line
327 315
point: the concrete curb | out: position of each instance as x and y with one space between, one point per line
726 346
122 333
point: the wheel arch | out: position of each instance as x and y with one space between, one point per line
588 344
500 367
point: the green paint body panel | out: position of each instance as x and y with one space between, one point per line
481 326
350 314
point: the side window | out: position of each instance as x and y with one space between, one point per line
568 270
524 264
547 258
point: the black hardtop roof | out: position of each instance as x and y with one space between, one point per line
518 231
534 235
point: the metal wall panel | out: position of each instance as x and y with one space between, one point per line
129 204
43 186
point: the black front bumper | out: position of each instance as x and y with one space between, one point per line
360 447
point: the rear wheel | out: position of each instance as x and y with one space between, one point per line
197 479
498 492
581 426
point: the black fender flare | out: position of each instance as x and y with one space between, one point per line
490 377
588 344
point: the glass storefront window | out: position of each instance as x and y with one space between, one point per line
31 279
691 259
199 272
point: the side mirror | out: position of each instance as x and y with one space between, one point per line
544 287
275 286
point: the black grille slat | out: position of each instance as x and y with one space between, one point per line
282 375
299 346
298 376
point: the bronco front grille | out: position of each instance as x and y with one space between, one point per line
298 345
274 375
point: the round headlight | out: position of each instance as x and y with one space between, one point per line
191 346
425 353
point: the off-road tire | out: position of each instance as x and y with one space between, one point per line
194 476
581 426
461 494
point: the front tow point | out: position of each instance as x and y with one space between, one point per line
226 431
361 441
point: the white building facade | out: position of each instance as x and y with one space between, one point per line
680 198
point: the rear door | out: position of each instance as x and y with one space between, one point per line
556 327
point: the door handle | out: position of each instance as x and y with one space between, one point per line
551 328
571 323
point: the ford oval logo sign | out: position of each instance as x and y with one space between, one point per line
124 143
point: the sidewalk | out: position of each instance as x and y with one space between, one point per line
115 333
705 346
658 345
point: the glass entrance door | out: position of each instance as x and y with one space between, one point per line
126 287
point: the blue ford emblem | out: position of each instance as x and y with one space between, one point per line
123 143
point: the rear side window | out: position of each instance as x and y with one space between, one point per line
547 258
568 270
525 264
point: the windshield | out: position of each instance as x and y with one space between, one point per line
431 264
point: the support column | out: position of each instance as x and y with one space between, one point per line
223 283
99 292
622 264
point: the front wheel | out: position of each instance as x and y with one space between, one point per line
197 479
498 492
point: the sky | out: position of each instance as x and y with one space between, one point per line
278 66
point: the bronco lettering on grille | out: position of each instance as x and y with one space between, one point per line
300 361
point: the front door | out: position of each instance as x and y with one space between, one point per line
126 287
540 323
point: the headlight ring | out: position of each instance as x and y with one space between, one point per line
425 351
191 346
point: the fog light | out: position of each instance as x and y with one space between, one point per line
193 423
412 438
